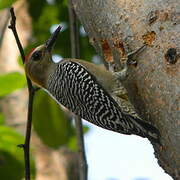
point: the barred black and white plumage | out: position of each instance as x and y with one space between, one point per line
85 89
73 86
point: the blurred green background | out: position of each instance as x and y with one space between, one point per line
53 125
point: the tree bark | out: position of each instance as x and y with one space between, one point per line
50 164
116 27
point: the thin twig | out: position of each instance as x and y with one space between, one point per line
12 26
31 89
75 53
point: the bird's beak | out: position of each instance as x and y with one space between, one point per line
51 41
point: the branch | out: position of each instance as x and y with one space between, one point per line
75 53
31 90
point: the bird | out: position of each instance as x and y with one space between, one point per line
85 89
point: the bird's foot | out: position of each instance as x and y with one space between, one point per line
130 60
131 57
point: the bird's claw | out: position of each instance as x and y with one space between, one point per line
122 75
132 55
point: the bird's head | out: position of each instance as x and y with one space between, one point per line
38 63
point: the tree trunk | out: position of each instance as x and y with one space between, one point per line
50 164
116 27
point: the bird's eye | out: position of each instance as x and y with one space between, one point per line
37 55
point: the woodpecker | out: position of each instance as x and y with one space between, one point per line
86 90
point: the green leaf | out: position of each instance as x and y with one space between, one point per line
6 3
10 82
20 62
9 139
51 124
11 157
72 144
10 167
1 119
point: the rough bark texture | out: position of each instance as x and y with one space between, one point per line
116 27
50 164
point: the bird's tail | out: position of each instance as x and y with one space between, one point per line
144 129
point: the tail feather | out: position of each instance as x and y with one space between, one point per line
144 129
